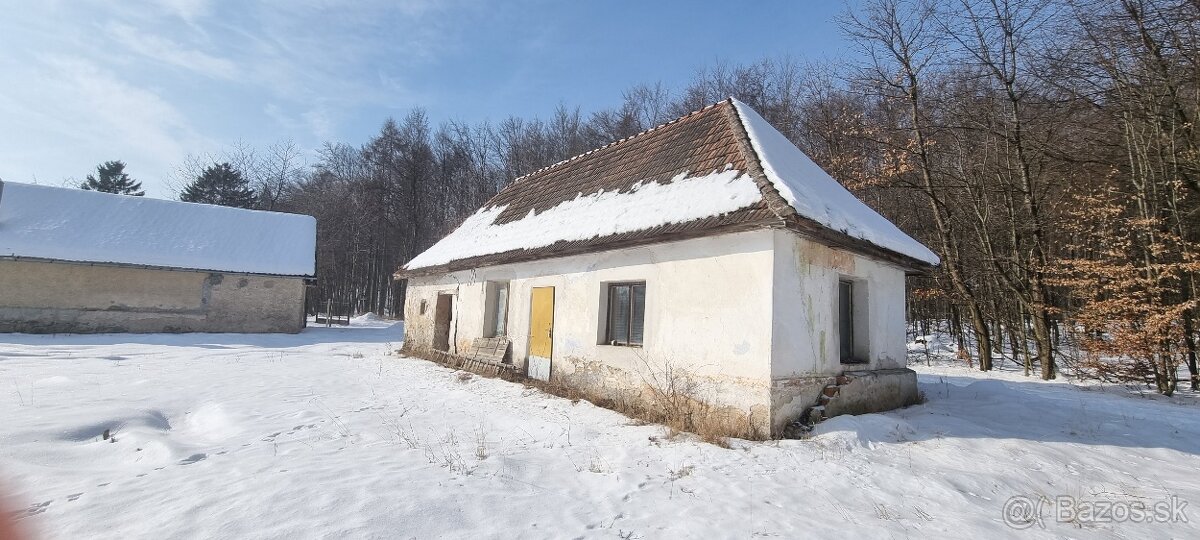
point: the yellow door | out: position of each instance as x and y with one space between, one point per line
541 322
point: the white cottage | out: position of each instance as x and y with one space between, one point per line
709 246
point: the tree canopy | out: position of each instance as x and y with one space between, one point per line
220 184
111 177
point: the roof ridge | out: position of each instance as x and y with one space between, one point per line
754 162
624 139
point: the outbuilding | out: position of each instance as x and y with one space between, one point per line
82 261
709 249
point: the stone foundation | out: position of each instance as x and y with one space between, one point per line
875 391
863 392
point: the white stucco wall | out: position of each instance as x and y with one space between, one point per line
752 315
805 337
708 310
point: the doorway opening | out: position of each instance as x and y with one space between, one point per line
442 314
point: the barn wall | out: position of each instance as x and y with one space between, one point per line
708 315
43 297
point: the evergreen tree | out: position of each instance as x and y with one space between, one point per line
110 177
220 184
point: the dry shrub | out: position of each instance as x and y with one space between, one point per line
1132 320
669 396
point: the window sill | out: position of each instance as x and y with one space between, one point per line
622 345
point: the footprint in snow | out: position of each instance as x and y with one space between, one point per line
193 459
37 508
74 496
300 427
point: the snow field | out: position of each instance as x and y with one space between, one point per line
329 434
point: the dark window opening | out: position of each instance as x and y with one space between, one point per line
626 314
846 323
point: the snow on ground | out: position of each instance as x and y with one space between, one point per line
328 434
936 354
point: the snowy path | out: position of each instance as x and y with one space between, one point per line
325 434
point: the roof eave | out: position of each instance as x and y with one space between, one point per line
149 267
520 256
809 227
838 239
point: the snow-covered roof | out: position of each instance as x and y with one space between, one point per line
817 196
601 214
720 169
65 224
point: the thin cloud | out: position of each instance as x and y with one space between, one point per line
75 113
152 84
170 52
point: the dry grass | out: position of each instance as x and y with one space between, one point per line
671 406
669 396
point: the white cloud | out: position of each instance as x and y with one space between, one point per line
170 52
188 10
72 114
90 80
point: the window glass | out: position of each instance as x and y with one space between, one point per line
501 313
846 320
626 313
618 314
637 313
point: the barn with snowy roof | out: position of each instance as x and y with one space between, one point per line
82 261
709 247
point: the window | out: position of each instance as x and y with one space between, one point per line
496 318
853 346
846 320
626 313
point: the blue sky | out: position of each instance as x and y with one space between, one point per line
84 81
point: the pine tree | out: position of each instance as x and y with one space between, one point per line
110 177
220 184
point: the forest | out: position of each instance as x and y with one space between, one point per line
1046 150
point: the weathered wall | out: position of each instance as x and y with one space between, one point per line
875 391
43 297
805 308
749 317
708 314
805 337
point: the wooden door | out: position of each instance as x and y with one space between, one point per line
541 332
442 315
